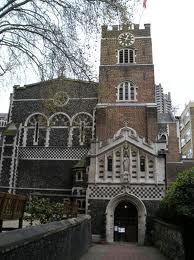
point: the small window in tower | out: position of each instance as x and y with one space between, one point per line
121 56
109 164
131 56
126 91
142 163
126 56
121 93
132 93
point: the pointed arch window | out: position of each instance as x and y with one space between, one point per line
126 91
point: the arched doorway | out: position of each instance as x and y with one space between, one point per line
139 214
126 222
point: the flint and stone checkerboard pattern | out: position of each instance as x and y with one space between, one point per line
143 192
53 153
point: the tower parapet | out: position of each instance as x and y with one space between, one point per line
114 30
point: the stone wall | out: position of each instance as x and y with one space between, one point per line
168 238
55 174
67 239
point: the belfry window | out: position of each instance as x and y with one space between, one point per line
126 56
126 91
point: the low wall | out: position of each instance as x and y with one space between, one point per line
168 239
60 240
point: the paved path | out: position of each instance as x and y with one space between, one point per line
122 251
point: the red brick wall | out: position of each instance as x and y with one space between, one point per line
141 76
110 120
173 145
110 45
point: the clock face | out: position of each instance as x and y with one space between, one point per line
60 99
126 39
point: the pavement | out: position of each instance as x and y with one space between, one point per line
122 251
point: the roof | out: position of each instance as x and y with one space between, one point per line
80 164
165 118
3 116
10 130
62 79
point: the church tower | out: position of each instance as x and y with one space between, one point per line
126 176
127 90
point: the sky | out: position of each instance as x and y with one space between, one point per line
172 32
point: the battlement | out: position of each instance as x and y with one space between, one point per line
110 31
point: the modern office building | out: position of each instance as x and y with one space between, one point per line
187 131
164 103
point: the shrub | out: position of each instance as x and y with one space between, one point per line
179 200
43 210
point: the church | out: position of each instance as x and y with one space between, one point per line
101 144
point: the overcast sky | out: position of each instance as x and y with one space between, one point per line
173 49
172 30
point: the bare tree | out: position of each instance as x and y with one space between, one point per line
45 34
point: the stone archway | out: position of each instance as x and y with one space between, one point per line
110 216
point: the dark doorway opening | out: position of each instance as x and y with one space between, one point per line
126 222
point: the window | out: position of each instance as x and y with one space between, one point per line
132 93
190 153
79 176
126 56
126 91
109 164
101 169
142 163
36 133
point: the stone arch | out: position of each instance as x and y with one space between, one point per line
59 128
59 114
126 131
35 129
141 209
163 137
81 114
82 128
36 114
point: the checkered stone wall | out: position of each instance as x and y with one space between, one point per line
53 153
143 192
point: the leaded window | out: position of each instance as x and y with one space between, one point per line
126 91
126 56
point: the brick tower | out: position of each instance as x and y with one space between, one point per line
126 92
127 168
